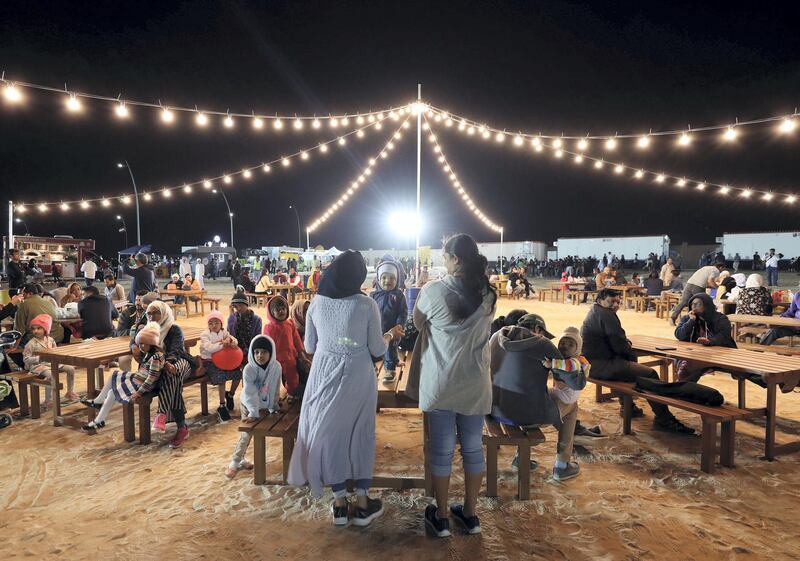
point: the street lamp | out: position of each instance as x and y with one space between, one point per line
299 238
136 196
230 214
124 228
21 221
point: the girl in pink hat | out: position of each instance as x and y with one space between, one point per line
214 340
40 329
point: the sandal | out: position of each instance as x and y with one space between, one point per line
230 473
244 464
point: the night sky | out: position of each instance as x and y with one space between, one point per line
554 67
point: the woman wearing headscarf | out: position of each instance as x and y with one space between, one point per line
299 312
178 365
754 299
336 434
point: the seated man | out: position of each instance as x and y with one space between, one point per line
114 292
95 311
704 325
653 284
677 284
793 311
519 387
607 348
703 278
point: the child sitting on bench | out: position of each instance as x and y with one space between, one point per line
125 386
41 340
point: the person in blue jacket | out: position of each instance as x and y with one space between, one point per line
394 311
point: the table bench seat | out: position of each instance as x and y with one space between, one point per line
725 415
497 434
281 425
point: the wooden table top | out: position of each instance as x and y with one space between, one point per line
179 292
768 320
772 366
90 353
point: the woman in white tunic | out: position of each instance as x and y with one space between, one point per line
336 434
454 317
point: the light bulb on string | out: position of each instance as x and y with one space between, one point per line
20 208
84 205
611 144
285 162
619 168
167 116
323 148
266 168
360 134
767 197
344 121
639 174
146 197
701 186
788 125
247 174
228 122
258 123
791 199
277 124
730 134
298 124
598 164
660 178
64 207
12 94
557 143
105 202
121 110
583 144
166 192
201 119
187 189
578 159
518 140
500 137
227 179
207 184
42 207
73 104
724 190
359 120
684 139
316 124
303 155
342 141
644 141
559 153
334 122
746 193
126 200
681 183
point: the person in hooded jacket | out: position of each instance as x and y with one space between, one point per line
705 325
519 387
261 390
288 345
510 319
394 310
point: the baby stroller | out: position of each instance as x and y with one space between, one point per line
8 399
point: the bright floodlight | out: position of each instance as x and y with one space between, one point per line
216 239
404 223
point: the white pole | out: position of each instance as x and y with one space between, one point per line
419 184
308 243
10 235
501 250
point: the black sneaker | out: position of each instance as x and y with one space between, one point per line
229 401
671 424
470 523
91 403
363 516
439 527
93 425
223 414
339 514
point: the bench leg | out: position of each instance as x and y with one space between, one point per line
128 422
144 422
727 443
742 392
259 459
24 410
708 449
288 448
664 371
36 408
491 469
204 398
627 409
524 473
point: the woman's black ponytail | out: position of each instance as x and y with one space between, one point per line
472 274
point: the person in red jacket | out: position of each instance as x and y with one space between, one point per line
288 345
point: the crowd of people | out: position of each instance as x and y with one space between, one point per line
321 355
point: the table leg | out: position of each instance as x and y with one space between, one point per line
708 447
128 422
91 389
742 383
769 443
202 306
186 301
727 443
57 421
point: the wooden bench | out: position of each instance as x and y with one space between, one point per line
725 415
577 296
497 434
143 403
281 425
25 382
213 303
548 293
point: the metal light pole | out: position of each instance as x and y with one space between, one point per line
299 238
136 195
21 221
124 228
419 167
230 213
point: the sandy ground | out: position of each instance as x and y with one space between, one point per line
67 495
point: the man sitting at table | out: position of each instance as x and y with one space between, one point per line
114 291
793 311
31 306
704 325
607 348
95 311
705 277
518 282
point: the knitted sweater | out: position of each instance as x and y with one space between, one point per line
31 359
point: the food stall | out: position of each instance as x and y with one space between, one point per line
66 251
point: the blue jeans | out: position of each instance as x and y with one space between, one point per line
443 429
361 485
772 276
390 358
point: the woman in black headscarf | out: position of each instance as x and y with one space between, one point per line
336 434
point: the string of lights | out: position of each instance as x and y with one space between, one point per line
14 94
785 125
460 190
354 186
559 151
207 183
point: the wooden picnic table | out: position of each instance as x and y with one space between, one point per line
564 287
738 320
187 293
739 363
291 290
91 355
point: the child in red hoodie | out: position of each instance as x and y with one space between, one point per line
288 345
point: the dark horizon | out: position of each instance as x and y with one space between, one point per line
565 66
